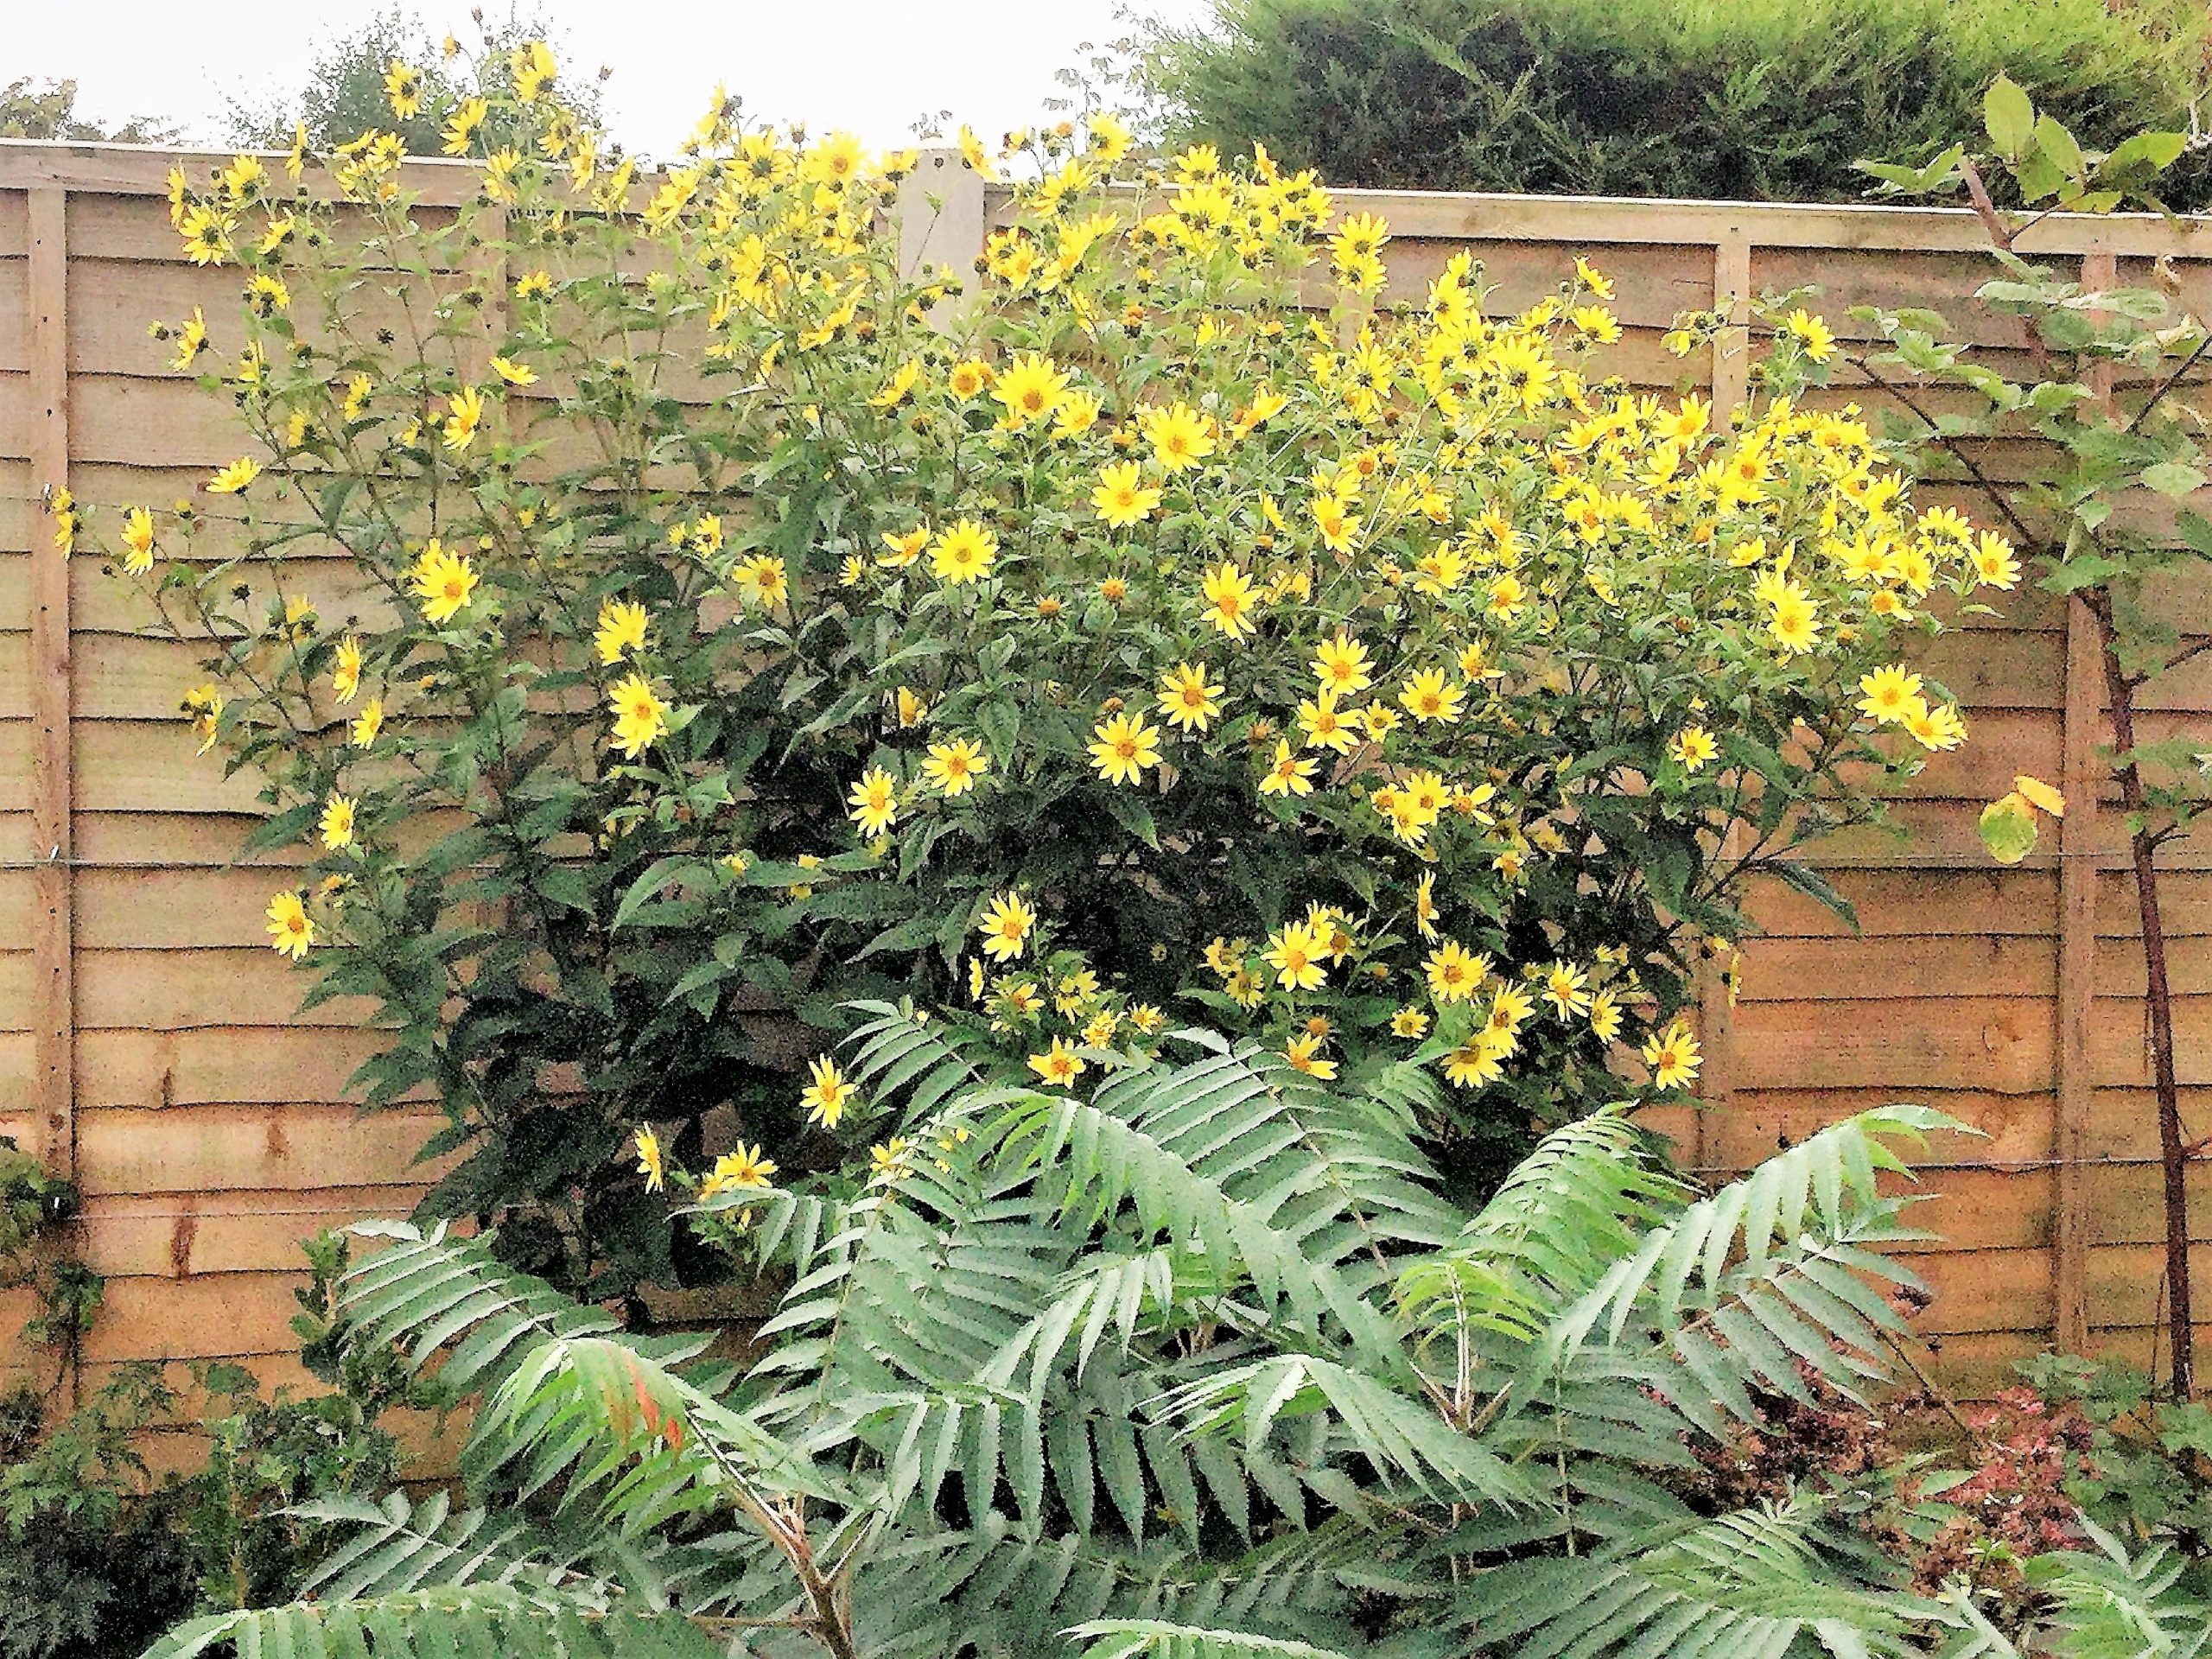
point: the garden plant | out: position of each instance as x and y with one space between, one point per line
1125 830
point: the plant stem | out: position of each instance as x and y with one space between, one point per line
2173 1155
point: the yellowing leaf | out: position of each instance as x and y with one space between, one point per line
2040 794
2008 830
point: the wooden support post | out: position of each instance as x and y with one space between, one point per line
53 998
1731 346
941 216
1713 1146
2073 1204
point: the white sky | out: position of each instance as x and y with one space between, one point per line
871 66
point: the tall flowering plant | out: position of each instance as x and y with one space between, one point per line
662 617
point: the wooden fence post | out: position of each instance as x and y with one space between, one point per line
2072 1202
1714 1147
941 218
54 1000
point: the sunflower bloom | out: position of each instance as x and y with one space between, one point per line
641 717
964 554
1673 1057
291 930
825 1096
1122 747
1187 699
1006 927
874 802
1231 601
442 580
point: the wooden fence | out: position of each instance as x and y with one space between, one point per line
138 1047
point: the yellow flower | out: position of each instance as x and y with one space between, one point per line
138 541
1188 700
1429 697
1077 413
1425 910
1031 388
1295 953
964 553
1693 746
368 723
191 340
649 1159
234 478
1180 436
1409 1022
442 581
968 378
621 629
338 822
1122 746
1288 774
1340 665
1473 1065
954 766
402 85
464 414
1887 693
290 931
641 717
825 1096
745 1169
873 801
206 234
895 388
1109 139
1794 618
1811 333
532 66
1567 989
1058 1065
1940 727
1673 1057
762 581
1454 975
1006 927
1993 563
514 374
1325 726
1605 1017
461 124
1122 499
1230 600
903 550
1303 1052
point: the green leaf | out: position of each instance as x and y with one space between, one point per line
2009 116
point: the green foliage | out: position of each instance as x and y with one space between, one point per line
1761 100
1188 1367
47 110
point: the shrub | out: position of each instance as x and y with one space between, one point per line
1764 100
727 642
1203 1362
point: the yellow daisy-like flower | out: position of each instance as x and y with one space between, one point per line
954 766
1122 498
1693 746
234 479
1122 747
641 717
1794 618
621 629
1030 388
138 541
650 1162
464 415
1006 927
1288 774
1993 563
1888 693
1409 1022
402 85
1454 974
1327 728
895 390
1059 1065
824 1097
337 822
1304 1055
1428 696
1231 601
964 554
1811 333
345 671
1567 989
1181 437
1673 1057
442 581
290 929
1296 953
368 723
874 802
1605 1017
745 1169
1340 665
514 374
1188 699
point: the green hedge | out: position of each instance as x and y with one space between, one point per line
1749 100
